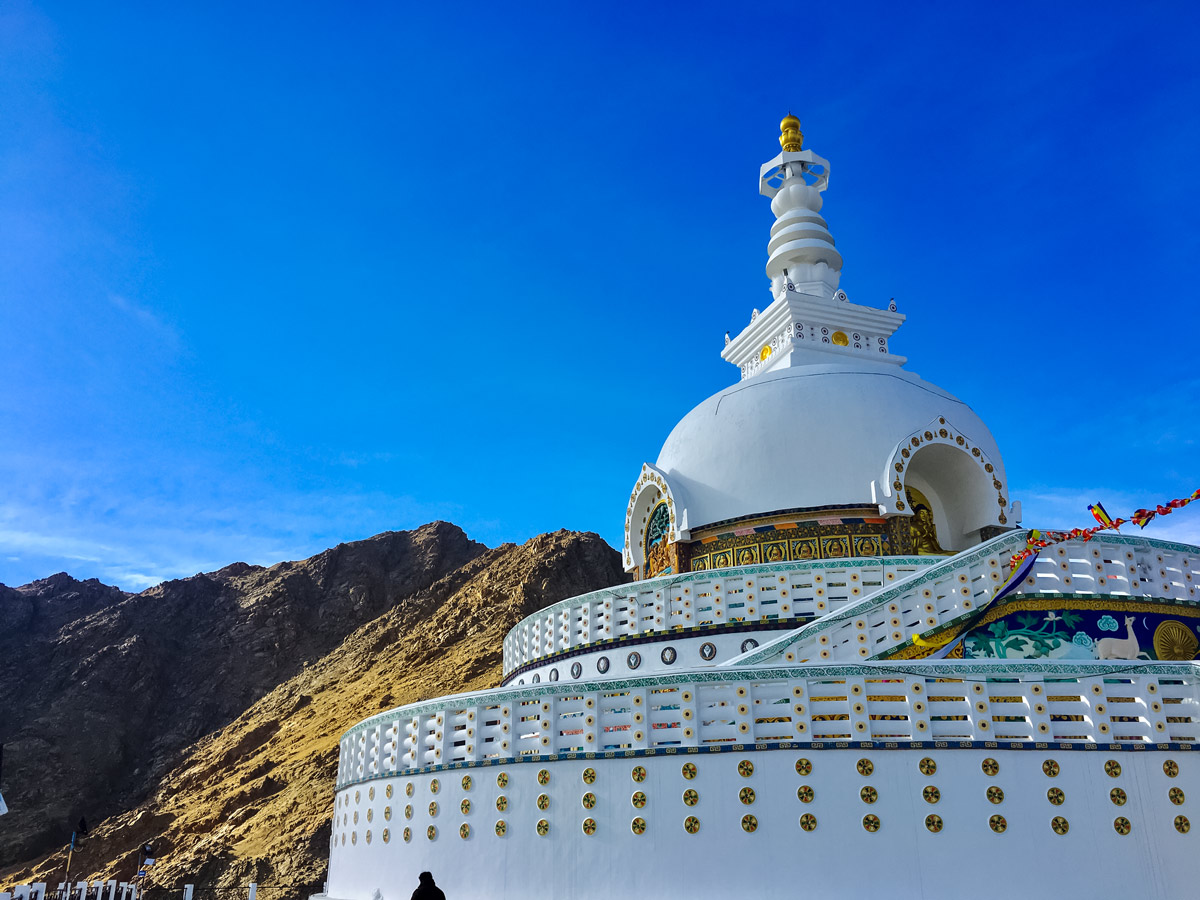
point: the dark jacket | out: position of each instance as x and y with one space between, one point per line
427 890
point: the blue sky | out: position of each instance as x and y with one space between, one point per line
274 277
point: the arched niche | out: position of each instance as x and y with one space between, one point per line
961 495
651 493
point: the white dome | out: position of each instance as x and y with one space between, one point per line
830 436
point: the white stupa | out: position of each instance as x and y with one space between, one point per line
829 677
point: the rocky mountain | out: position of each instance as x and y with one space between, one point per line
204 713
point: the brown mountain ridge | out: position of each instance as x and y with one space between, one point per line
203 714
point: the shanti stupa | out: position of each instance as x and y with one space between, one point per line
830 677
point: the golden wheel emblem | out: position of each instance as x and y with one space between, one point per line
1060 825
387 792
638 825
869 794
927 766
431 832
408 811
689 771
589 826
1050 767
638 774
990 766
464 831
745 768
501 803
370 815
371 793
588 800
1121 825
933 823
691 797
1117 796
543 827
368 835
543 776
1176 795
1056 796
466 782
871 823
808 822
997 824
638 800
502 780
589 776
435 786
803 768
543 802
1171 768
387 814
433 808
387 835
804 794
1182 825
357 796
465 807
501 828
408 789
407 835
865 767
931 794
1112 768
995 795
691 824
746 795
1174 640
749 824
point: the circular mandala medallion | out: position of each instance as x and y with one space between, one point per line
501 828
689 771
865 767
933 823
749 823
467 782
803 767
431 832
501 803
1182 825
808 822
931 794
543 802
1056 796
927 766
543 827
543 776
1176 795
408 789
691 797
1112 768
588 800
691 824
805 794
589 776
589 826
1060 825
871 823
638 774
995 795
638 800
408 811
407 835
387 835
990 766
745 768
868 794
1117 796
465 807
433 809
388 792
1050 767
638 825
464 831
387 814
1121 825
746 795
1171 768
997 824
502 780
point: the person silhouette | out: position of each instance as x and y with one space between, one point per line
427 890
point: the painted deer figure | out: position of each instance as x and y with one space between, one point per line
1119 648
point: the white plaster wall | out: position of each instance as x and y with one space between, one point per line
838 859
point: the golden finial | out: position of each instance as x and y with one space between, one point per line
791 139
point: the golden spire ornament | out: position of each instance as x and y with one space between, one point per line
791 139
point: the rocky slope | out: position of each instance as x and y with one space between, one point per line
252 798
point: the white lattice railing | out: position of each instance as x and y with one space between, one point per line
943 700
776 592
958 587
